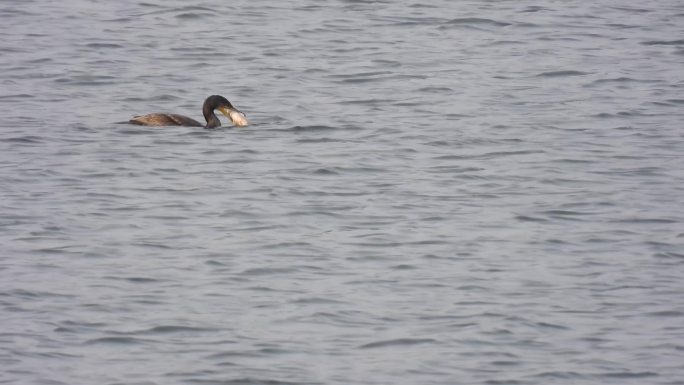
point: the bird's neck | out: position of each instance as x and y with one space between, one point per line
210 117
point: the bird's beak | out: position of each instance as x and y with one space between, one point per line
236 116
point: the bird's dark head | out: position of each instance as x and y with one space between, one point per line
215 102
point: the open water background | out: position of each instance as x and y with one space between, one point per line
443 192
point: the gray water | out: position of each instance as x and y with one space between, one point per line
443 192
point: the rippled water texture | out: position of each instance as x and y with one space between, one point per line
442 192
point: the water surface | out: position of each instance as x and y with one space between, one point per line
467 192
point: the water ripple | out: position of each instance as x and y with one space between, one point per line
429 193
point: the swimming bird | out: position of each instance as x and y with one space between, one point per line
214 102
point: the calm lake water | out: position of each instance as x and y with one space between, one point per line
444 192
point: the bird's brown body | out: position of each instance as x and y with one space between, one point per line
165 120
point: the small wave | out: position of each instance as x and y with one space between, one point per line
505 43
103 45
633 10
477 21
534 8
155 245
17 96
647 220
229 354
267 271
34 294
664 42
360 74
88 80
186 9
251 381
563 213
136 279
398 342
489 155
555 74
15 12
280 245
403 267
361 80
143 4
366 102
527 218
23 139
573 161
325 171
669 255
421 5
318 301
192 16
629 374
319 140
622 79
169 329
119 20
62 329
551 326
435 89
213 262
84 324
313 128
666 313
116 341
560 375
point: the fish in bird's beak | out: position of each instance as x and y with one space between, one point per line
235 116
